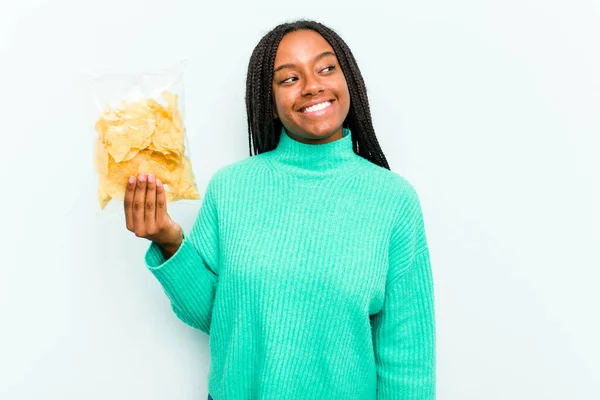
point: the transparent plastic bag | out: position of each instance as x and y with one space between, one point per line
139 126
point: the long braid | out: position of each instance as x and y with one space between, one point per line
264 130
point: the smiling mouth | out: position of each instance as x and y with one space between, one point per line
317 107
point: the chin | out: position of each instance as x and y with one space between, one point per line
322 132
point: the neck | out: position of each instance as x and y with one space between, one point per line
314 160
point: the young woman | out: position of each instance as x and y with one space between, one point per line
308 263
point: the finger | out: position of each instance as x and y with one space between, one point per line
161 203
139 200
129 191
150 208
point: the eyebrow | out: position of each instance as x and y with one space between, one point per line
317 58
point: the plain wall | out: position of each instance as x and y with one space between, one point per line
491 109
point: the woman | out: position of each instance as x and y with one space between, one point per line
308 263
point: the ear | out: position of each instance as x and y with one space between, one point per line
275 116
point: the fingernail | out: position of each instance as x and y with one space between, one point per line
150 178
131 179
158 183
142 177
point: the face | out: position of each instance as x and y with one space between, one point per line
309 88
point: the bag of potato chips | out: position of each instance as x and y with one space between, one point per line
140 128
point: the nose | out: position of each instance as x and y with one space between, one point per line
312 86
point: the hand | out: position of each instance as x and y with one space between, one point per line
146 213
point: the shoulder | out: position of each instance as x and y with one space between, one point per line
400 189
400 198
407 219
236 172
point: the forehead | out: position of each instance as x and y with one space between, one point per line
301 47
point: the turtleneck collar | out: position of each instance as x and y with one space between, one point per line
314 160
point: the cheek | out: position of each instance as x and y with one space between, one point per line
278 105
345 90
285 104
341 88
344 95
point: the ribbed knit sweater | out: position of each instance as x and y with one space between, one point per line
308 267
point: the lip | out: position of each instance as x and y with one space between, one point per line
320 113
312 103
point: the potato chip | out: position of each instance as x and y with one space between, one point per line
101 159
143 136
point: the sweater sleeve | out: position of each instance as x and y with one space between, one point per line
189 277
404 329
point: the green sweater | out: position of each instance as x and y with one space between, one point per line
308 267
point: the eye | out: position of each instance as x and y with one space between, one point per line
286 80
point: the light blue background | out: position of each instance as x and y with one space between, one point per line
491 109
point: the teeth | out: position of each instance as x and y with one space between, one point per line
317 107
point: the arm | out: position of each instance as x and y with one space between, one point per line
189 276
404 329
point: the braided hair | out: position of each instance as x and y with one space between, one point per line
264 130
